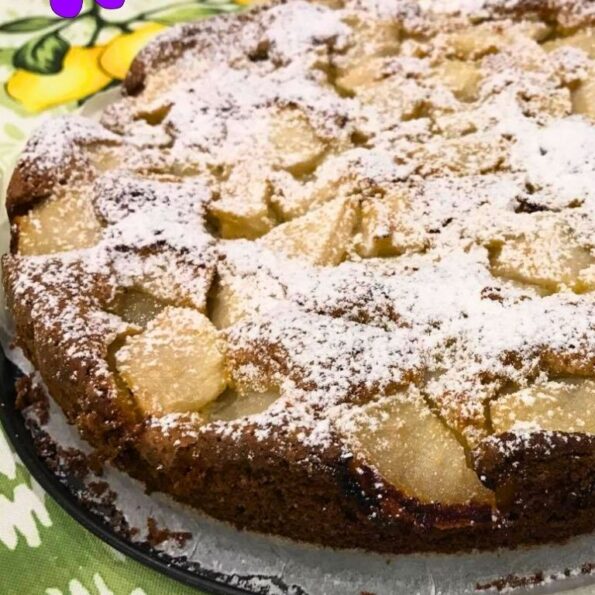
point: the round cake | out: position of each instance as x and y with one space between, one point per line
326 270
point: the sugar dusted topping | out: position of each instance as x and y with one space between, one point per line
60 138
567 12
463 174
561 158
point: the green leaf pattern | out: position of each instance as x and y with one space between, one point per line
28 25
43 551
43 55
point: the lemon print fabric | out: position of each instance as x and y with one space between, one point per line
84 71
66 61
81 76
117 57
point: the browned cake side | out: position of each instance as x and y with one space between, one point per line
331 282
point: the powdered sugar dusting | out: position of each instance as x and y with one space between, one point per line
459 179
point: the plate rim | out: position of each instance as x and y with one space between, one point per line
21 441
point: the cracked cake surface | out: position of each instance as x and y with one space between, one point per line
331 281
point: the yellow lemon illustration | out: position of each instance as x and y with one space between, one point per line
120 52
80 77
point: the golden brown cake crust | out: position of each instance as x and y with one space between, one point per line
196 195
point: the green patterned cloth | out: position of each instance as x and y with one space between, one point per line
49 66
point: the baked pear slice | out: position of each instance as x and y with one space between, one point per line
243 209
474 43
548 255
355 172
245 285
388 227
176 365
296 146
61 223
236 297
413 451
230 303
233 404
583 39
394 98
366 72
583 98
462 78
136 306
370 40
563 405
292 198
321 237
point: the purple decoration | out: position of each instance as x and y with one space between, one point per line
111 4
69 9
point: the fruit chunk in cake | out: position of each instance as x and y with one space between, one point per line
583 98
368 45
564 405
242 211
364 74
136 306
372 38
413 451
291 198
233 404
388 227
296 146
392 95
61 223
230 303
235 298
244 286
462 78
475 42
177 364
321 237
583 39
356 172
547 255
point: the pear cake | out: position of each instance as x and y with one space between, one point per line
326 270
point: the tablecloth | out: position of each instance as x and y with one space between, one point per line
49 66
